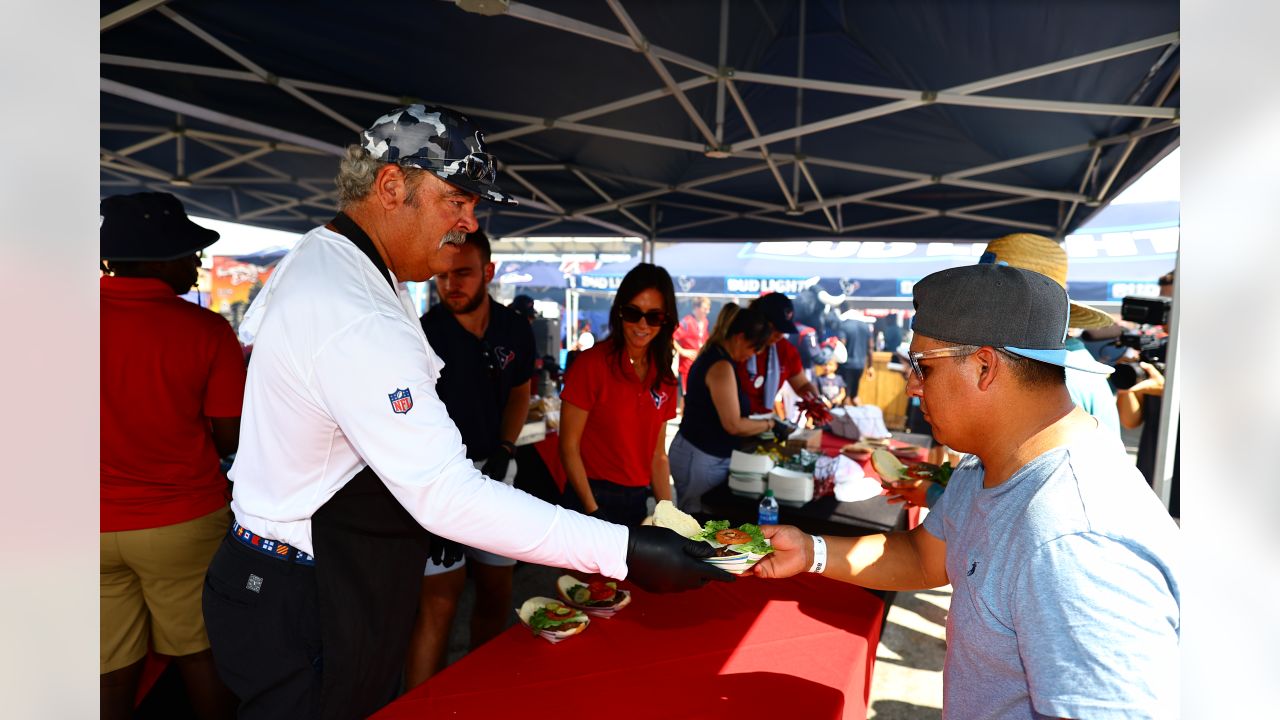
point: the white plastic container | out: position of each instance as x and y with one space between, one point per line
749 463
791 487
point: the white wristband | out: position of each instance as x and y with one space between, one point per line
819 555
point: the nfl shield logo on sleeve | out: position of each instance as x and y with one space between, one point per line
401 401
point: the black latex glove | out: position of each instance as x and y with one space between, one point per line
496 466
783 429
660 560
444 552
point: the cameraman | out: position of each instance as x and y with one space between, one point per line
1139 406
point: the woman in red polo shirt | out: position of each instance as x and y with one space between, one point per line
618 397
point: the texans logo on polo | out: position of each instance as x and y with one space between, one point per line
401 401
504 356
658 398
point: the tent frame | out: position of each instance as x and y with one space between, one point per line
266 140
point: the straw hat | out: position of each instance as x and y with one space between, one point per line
1040 254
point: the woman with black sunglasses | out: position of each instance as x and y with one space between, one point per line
715 407
617 399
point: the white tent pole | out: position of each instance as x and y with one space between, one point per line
1015 189
229 162
795 170
533 189
127 13
722 57
764 151
817 194
1129 146
258 69
147 97
525 11
926 97
661 69
149 142
598 110
600 191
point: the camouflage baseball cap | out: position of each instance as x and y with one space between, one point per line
439 140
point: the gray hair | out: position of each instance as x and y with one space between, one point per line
357 171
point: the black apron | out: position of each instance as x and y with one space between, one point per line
370 554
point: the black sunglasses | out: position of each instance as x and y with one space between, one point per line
478 166
632 314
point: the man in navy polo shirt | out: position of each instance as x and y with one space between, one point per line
488 352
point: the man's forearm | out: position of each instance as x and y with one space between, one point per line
882 562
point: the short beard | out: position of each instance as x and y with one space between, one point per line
453 237
472 303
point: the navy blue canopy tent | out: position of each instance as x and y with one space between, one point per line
665 119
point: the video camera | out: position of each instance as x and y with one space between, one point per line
1151 349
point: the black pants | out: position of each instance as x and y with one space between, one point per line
620 504
266 641
852 379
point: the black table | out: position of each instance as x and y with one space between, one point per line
822 516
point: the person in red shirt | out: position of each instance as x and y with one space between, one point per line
172 383
762 374
617 399
690 335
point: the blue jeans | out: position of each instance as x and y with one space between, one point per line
695 472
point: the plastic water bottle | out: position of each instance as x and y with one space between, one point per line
768 509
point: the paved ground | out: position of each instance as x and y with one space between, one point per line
907 683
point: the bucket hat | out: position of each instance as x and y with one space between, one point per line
149 226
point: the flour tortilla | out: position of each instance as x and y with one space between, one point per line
667 515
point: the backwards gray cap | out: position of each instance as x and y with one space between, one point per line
439 140
1021 311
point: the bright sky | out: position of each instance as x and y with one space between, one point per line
1161 183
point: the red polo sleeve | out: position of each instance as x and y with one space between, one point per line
224 393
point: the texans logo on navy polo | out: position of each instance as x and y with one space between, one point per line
658 398
401 401
504 356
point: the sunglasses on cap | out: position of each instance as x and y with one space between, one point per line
478 166
632 314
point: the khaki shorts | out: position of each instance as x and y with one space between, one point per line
150 587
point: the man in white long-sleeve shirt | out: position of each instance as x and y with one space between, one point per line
346 452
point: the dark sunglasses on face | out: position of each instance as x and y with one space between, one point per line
477 166
632 314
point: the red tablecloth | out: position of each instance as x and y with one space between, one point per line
831 445
797 648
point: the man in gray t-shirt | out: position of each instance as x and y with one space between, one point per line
1063 562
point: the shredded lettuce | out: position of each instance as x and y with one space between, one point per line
710 529
542 620
757 544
